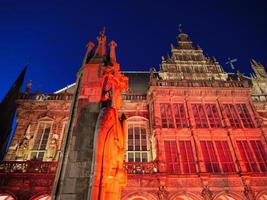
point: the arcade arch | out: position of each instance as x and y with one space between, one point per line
263 197
5 196
183 197
42 197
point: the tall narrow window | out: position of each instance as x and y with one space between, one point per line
260 154
247 156
180 115
137 143
199 115
166 115
41 139
213 115
225 156
209 155
232 115
172 160
244 115
187 157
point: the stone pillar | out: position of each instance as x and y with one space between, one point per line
73 177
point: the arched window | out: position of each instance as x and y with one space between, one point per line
6 197
44 129
138 198
225 197
183 197
138 147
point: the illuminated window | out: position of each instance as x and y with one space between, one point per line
137 143
180 115
247 156
260 154
187 157
172 160
166 115
213 115
41 139
225 156
244 115
209 155
232 115
199 115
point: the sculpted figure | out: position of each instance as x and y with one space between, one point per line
109 173
162 193
52 148
23 148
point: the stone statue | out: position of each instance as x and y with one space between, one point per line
52 148
162 193
206 193
28 87
110 176
23 148
248 192
152 72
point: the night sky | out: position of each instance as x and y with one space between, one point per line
51 35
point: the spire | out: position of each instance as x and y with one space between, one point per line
28 87
8 108
258 69
112 46
183 40
89 53
101 47
90 46
254 63
180 28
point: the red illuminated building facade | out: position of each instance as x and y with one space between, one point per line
193 131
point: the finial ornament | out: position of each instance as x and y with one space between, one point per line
180 28
29 87
103 32
101 47
231 62
112 54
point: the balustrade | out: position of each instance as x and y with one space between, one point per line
43 97
134 96
201 83
32 166
141 167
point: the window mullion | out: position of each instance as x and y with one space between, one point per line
205 113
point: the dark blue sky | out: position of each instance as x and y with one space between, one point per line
51 35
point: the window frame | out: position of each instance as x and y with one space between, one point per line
215 165
247 121
182 119
137 121
170 123
173 165
225 157
191 164
203 121
247 156
217 119
39 151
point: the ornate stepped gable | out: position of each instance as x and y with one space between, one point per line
259 90
189 62
259 78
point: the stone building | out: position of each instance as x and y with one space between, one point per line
194 132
